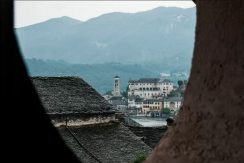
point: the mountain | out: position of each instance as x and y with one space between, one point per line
159 36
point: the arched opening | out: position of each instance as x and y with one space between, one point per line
187 147
65 46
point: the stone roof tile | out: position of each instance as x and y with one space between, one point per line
69 95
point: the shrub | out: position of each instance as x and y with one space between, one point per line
140 159
166 111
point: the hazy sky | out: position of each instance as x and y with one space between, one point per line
31 12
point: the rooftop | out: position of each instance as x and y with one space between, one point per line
118 100
153 100
65 95
139 100
150 80
145 80
166 81
132 97
110 143
173 99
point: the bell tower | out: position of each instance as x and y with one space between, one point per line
116 91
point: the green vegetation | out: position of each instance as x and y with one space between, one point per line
165 111
99 76
180 83
140 159
126 50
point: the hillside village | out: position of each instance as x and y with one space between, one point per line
155 97
102 129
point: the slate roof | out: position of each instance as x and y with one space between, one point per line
75 147
65 95
150 80
167 81
118 100
145 80
173 99
137 98
153 100
109 143
132 97
151 135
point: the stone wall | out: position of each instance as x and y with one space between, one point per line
210 126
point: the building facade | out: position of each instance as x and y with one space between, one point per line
149 88
173 103
152 106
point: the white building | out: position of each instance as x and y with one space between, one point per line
135 102
173 103
149 88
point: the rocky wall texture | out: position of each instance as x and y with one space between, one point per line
210 127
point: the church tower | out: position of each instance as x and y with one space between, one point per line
116 91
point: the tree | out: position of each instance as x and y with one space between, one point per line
165 110
180 83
